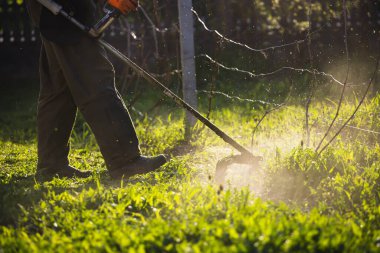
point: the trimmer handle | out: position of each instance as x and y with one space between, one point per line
106 21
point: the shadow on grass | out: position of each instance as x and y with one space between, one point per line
22 193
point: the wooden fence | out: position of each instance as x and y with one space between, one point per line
15 26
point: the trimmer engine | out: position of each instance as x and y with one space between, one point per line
123 6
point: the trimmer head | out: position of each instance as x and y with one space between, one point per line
223 165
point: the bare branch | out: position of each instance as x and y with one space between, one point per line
154 30
363 130
255 101
356 109
261 50
345 82
254 75
211 94
311 83
262 119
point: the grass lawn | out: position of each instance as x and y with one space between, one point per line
296 201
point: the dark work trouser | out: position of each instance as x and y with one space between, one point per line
80 76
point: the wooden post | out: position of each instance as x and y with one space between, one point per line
186 25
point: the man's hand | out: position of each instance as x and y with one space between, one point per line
124 6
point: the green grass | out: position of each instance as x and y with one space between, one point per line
296 202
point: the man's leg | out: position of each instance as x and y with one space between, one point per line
55 120
90 77
56 114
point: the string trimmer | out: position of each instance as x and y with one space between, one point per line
114 10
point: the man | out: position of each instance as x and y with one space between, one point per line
76 74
